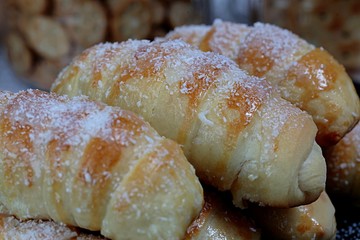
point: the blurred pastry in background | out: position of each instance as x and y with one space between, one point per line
332 24
50 33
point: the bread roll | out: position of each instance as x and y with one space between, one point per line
218 219
313 221
235 130
307 76
100 168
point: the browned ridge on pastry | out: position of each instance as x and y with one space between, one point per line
307 76
237 132
86 164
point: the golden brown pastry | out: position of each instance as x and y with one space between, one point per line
89 165
236 131
343 164
218 219
312 221
307 76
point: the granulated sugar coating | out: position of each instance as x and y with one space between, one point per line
231 125
86 164
306 75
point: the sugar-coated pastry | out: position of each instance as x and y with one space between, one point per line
305 75
218 219
237 132
85 164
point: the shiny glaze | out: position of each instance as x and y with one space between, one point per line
307 223
317 73
219 219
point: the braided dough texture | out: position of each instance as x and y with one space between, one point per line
235 130
308 77
86 164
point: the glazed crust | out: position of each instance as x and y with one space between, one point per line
220 219
238 133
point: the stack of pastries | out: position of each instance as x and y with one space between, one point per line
160 139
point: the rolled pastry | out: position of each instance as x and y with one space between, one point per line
237 132
305 75
97 167
312 221
218 219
